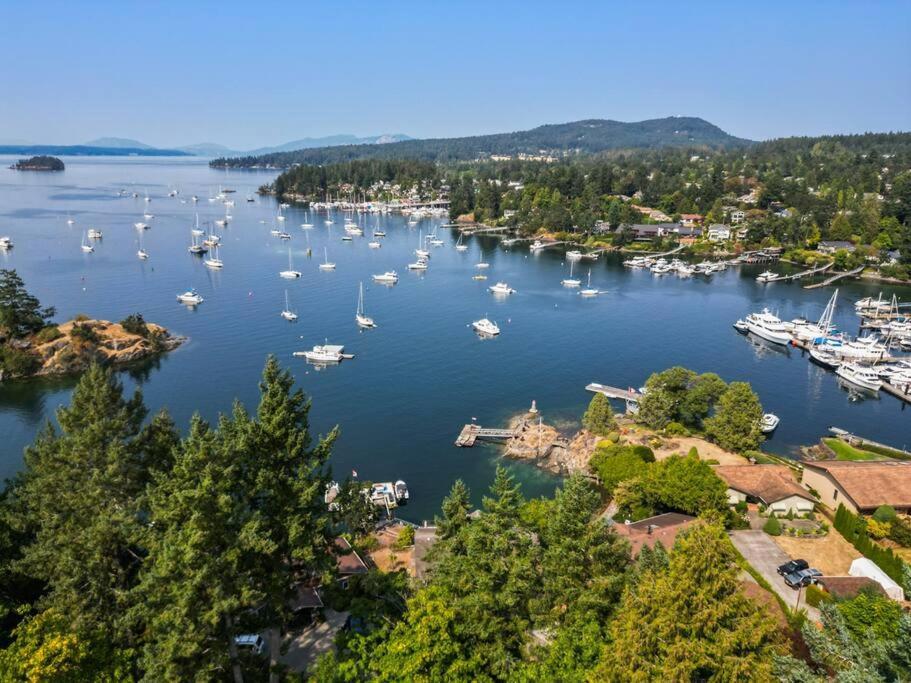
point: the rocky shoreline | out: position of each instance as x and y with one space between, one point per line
79 343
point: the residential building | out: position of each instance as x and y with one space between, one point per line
691 219
348 563
650 531
719 233
649 231
738 216
861 486
772 485
831 246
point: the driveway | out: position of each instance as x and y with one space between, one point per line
306 647
765 556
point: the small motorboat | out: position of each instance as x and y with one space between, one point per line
389 277
769 423
190 297
501 288
741 326
486 327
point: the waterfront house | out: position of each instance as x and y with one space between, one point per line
719 233
831 246
347 562
861 486
650 531
691 219
771 485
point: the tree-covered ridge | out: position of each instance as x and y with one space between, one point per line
39 163
381 179
587 137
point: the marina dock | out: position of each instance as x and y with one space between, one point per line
836 278
471 433
614 392
797 276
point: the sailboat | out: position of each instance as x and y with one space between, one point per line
360 316
288 314
810 332
197 230
195 246
86 247
280 217
214 261
290 274
420 251
459 245
571 281
588 291
142 253
325 265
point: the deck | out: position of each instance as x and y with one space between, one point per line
614 392
471 433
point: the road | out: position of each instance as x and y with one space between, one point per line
765 556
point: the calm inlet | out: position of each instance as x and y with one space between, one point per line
422 372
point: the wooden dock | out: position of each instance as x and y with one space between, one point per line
471 433
614 392
836 278
802 274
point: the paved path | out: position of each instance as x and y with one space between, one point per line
765 556
306 647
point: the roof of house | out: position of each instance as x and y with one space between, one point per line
837 244
347 560
649 531
870 483
768 483
719 226
849 586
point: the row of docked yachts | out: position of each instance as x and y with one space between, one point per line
661 266
863 361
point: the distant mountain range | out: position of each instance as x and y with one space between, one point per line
586 137
112 146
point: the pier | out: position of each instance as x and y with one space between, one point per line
805 273
614 392
472 433
836 278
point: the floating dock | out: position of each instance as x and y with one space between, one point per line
836 278
797 276
614 392
472 433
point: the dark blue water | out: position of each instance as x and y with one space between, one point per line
422 373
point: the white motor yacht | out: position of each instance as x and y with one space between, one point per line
323 353
821 356
6 243
485 326
769 327
537 245
574 255
190 297
420 264
95 234
501 288
374 244
389 277
767 276
859 375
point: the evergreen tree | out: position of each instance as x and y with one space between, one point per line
599 418
735 424
456 507
20 312
691 621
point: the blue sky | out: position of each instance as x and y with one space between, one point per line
261 73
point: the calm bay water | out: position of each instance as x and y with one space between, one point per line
422 373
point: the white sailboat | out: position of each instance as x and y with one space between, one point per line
86 247
290 274
459 245
361 317
213 261
196 246
571 281
325 265
280 217
420 252
288 314
588 291
806 331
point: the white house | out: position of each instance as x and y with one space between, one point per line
738 216
719 233
772 485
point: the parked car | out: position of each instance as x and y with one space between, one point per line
804 577
250 641
792 566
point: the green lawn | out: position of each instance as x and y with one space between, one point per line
845 451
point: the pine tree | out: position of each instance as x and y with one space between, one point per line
599 418
456 507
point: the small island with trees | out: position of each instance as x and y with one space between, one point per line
32 346
39 163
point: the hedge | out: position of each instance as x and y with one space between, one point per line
854 529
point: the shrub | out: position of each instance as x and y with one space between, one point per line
815 595
693 453
613 437
615 464
17 362
135 324
84 333
676 429
772 526
741 507
854 529
405 538
900 532
885 513
80 318
48 334
644 452
878 529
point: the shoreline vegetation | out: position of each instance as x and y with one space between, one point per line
32 346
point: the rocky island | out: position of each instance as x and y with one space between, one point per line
39 163
32 346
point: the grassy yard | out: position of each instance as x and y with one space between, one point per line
845 451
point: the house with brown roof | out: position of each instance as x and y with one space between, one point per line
347 562
649 531
772 485
861 486
846 587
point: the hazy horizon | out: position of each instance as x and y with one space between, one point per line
245 78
